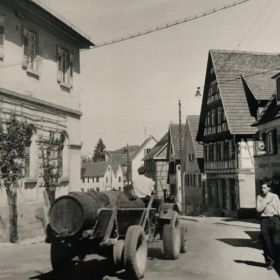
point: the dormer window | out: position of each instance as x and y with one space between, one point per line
278 89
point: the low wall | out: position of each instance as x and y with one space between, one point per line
32 206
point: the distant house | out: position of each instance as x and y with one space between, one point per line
118 178
173 157
121 157
97 176
235 91
142 185
156 166
193 169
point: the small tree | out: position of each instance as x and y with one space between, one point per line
15 135
99 151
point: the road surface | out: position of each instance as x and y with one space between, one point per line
216 252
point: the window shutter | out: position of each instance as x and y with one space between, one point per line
71 69
27 161
2 34
59 64
274 141
38 57
25 47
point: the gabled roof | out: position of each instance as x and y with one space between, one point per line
150 138
157 148
230 67
192 122
119 158
174 140
48 16
262 86
94 169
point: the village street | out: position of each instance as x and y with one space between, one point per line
216 251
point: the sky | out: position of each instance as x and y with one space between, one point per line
136 84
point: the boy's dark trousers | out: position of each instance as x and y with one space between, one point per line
269 231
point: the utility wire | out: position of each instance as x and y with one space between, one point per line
171 24
152 29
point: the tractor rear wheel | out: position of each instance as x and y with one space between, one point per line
171 242
135 252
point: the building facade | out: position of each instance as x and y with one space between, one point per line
40 69
156 167
267 147
193 169
174 156
233 97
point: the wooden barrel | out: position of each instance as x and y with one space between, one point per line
77 211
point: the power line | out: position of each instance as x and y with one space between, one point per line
151 30
170 24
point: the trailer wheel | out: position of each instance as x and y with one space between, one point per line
61 256
135 252
118 254
184 239
171 242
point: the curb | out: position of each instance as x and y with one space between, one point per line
33 241
240 224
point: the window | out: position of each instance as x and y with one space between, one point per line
65 61
120 178
106 179
31 61
270 141
146 151
227 146
214 152
191 157
97 179
2 35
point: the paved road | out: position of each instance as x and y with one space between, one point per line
215 252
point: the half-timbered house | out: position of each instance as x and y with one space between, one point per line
156 167
193 169
234 95
267 147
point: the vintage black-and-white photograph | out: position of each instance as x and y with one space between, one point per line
139 139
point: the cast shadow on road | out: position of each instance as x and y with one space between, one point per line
93 269
253 242
252 263
88 270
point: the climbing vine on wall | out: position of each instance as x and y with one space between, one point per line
15 136
52 158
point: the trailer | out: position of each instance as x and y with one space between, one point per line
82 223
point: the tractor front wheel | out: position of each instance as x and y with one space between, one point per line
171 242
